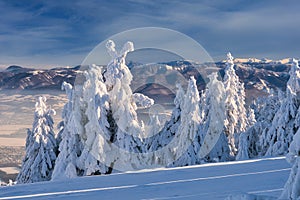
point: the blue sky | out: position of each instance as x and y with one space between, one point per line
56 33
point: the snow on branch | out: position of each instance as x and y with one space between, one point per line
229 58
142 100
127 47
110 45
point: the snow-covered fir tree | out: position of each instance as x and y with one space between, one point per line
154 125
255 141
215 146
292 187
265 109
286 120
66 110
160 140
118 79
70 146
101 118
236 115
41 146
251 119
128 131
91 160
188 135
199 134
231 121
249 146
178 143
85 128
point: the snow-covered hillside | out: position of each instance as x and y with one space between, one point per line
100 133
208 181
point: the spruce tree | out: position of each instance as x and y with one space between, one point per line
92 159
215 146
41 146
160 141
189 136
292 186
286 120
127 132
70 146
236 115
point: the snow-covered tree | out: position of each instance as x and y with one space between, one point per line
127 131
189 136
85 127
266 108
41 146
66 110
160 140
251 119
249 146
154 125
236 115
118 79
91 160
292 187
70 146
101 117
197 129
255 141
143 101
286 120
231 121
243 120
215 146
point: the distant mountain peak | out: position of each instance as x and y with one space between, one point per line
262 60
13 68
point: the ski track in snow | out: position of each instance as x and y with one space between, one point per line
208 181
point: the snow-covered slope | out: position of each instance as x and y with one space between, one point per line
208 181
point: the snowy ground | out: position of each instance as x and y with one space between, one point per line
209 181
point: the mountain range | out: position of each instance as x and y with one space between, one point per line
259 76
